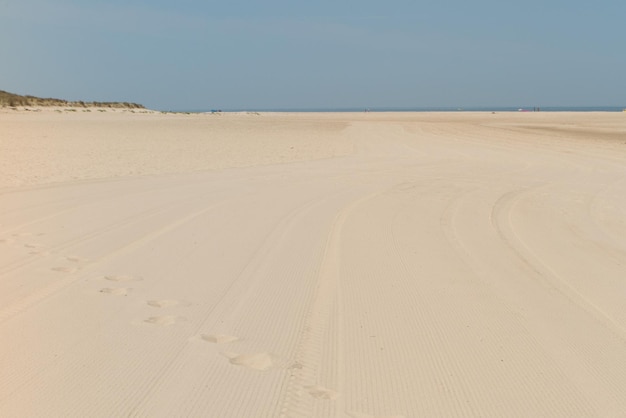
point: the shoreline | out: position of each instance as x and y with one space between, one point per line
376 114
103 109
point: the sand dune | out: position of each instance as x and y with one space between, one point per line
312 265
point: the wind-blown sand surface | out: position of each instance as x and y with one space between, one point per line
312 265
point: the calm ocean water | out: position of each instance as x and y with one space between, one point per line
431 109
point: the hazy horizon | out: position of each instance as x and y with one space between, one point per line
279 55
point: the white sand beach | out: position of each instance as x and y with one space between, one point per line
360 265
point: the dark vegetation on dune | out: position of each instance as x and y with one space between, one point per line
13 100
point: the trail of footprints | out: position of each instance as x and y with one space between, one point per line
23 240
264 361
75 263
70 264
121 290
122 285
261 361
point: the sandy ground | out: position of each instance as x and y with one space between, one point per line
312 265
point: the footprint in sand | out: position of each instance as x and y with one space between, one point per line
166 303
75 259
256 361
119 291
33 245
65 269
164 320
320 392
219 338
122 278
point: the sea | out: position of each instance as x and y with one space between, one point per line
425 109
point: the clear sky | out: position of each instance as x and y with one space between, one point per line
251 54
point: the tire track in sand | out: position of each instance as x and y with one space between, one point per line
325 312
487 276
233 298
94 234
52 288
501 221
607 339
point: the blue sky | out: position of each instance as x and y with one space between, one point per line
243 54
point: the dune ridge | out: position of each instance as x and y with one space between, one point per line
14 100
